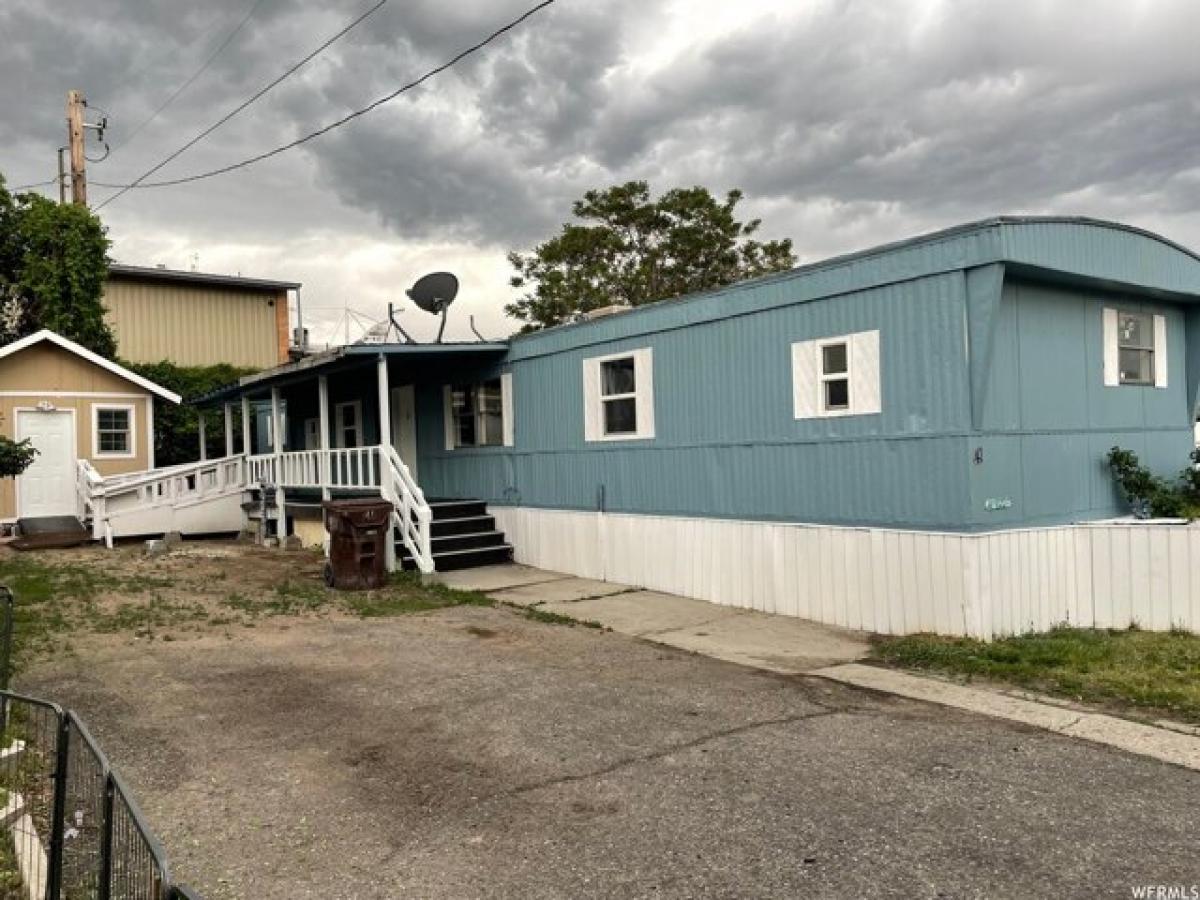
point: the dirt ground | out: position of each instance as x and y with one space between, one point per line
472 752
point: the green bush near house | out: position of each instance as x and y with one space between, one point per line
1158 672
176 428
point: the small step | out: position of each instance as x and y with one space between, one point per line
465 559
460 541
465 525
457 509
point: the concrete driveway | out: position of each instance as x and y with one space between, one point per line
472 752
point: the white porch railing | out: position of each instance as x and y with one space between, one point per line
142 499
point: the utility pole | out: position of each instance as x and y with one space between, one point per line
75 104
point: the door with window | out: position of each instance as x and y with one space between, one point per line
47 487
404 425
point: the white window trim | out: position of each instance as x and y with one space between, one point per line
127 407
339 417
863 372
643 396
1112 347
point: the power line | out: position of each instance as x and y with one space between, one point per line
36 184
200 71
237 109
474 48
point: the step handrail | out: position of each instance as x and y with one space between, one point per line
411 513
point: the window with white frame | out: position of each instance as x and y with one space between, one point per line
1135 348
479 414
619 396
348 424
836 376
112 431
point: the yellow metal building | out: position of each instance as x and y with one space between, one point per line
197 318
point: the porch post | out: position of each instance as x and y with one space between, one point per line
323 413
228 429
203 448
246 425
385 440
277 448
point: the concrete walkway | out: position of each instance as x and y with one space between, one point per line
775 643
795 646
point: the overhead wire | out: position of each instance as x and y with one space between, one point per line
474 48
192 78
252 99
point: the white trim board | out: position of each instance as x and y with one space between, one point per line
71 347
889 581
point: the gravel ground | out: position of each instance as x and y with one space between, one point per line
470 752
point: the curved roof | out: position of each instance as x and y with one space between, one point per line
1090 251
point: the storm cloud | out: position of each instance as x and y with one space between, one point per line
846 123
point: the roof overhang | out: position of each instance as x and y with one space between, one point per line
153 273
351 356
58 340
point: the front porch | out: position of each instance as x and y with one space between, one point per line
347 423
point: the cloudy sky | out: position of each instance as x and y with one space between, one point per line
846 124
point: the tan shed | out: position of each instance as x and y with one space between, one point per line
72 404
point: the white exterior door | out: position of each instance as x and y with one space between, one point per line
47 487
404 425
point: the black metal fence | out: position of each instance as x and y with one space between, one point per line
69 827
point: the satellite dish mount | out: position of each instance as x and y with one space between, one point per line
434 293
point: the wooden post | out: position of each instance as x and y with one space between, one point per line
323 412
277 448
246 425
203 436
228 429
385 441
75 106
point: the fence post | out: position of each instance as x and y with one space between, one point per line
55 854
6 636
106 840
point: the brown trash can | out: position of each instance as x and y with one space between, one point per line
358 535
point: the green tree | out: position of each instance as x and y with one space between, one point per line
634 249
53 262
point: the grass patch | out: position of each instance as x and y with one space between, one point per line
553 618
406 593
1154 671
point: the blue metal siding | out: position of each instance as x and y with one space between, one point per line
726 441
1049 419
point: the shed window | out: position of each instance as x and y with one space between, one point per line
113 433
476 414
836 376
619 396
1135 348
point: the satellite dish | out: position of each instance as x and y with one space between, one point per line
434 293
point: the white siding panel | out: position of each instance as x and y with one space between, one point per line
884 580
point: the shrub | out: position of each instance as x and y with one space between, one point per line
1152 496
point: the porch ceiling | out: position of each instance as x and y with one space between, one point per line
349 357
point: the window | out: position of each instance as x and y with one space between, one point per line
112 431
348 424
619 396
478 415
1135 348
836 376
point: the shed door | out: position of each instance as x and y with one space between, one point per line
47 487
